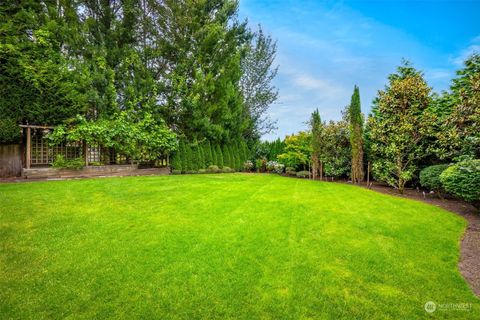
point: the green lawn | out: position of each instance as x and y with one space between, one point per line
224 246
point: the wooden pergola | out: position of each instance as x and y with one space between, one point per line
28 151
28 156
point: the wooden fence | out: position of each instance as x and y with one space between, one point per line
10 160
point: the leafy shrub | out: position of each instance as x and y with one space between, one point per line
191 171
260 165
430 177
463 180
227 170
176 171
202 171
9 131
61 163
248 165
302 174
96 163
213 169
290 171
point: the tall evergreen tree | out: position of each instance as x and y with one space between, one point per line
219 154
201 157
258 72
316 127
227 160
356 136
188 158
208 154
397 127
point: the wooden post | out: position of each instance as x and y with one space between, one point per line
368 174
85 153
29 148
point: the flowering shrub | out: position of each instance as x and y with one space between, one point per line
274 166
248 165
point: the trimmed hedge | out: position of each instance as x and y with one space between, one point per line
430 177
463 180
10 132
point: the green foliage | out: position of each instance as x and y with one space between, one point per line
463 180
302 174
202 171
227 170
188 158
457 131
61 163
398 127
256 86
261 165
144 139
269 149
227 161
355 119
201 157
207 150
316 127
10 133
290 171
430 177
191 63
218 152
213 169
336 149
214 155
176 171
195 164
178 160
297 151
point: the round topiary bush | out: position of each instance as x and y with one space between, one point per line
430 178
303 174
463 180
213 169
290 171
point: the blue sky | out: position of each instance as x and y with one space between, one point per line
326 47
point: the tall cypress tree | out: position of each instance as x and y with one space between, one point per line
201 157
214 155
182 155
188 158
226 156
356 136
316 127
207 150
218 151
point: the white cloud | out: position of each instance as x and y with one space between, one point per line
467 52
